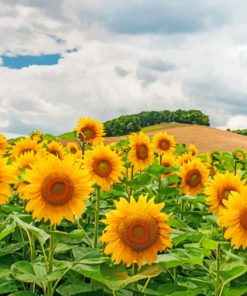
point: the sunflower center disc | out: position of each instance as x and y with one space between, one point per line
142 151
139 233
26 150
57 189
164 145
166 164
243 218
193 178
88 133
73 150
54 152
224 193
102 168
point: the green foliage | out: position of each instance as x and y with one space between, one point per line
240 132
126 124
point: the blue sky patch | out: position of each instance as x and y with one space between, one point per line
22 61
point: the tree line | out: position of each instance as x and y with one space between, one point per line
126 124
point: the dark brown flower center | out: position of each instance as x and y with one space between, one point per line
193 178
164 145
73 150
224 192
243 218
88 133
26 150
57 189
139 233
102 168
141 151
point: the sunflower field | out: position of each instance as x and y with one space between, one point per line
142 216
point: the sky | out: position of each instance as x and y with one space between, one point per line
61 60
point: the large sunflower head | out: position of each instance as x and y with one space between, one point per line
56 189
90 130
104 166
163 143
233 217
136 231
194 175
56 149
141 151
25 145
219 189
7 177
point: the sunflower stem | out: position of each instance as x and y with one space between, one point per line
50 259
135 271
145 286
235 167
160 182
218 282
131 178
96 222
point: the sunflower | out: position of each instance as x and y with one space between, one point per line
36 135
25 145
141 151
3 143
194 174
184 158
74 149
193 149
56 149
234 217
7 177
104 166
136 231
239 154
90 130
56 189
219 189
167 161
163 143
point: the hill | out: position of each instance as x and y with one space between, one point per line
205 138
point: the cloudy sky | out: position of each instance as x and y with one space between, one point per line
62 59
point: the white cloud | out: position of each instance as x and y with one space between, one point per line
117 71
236 122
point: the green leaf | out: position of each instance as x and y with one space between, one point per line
68 136
236 291
23 293
141 180
23 271
49 137
209 244
193 236
38 233
9 249
6 229
62 248
176 223
89 255
179 257
7 286
69 289
156 170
